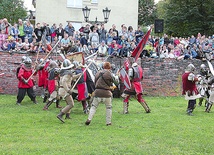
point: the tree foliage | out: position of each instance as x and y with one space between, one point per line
187 17
146 12
12 10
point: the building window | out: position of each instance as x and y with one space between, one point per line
74 3
94 1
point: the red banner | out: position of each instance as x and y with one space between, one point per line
138 50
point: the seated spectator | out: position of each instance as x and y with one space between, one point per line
86 50
193 51
164 53
65 43
102 49
124 51
19 44
93 49
26 44
112 46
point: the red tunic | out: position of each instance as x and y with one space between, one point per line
188 85
25 73
136 81
46 74
82 88
41 79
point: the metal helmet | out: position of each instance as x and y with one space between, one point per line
23 58
203 66
41 60
190 68
134 64
53 64
67 64
28 60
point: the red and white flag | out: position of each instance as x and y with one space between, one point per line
125 78
138 50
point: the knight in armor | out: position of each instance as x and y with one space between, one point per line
211 96
203 85
135 73
25 84
43 78
21 64
84 86
190 90
81 87
53 83
66 77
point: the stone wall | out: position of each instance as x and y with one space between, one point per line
162 77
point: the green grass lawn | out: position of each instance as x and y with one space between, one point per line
27 129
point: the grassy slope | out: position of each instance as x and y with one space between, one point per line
27 129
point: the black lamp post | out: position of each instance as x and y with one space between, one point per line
86 12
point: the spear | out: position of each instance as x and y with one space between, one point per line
44 59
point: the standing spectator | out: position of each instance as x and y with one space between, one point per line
138 34
94 37
131 33
29 31
70 29
86 30
6 27
190 91
115 30
53 31
102 33
46 32
2 39
124 33
103 82
15 31
38 32
21 28
109 36
60 32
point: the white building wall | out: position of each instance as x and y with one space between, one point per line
56 11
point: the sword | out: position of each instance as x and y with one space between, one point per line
90 56
211 67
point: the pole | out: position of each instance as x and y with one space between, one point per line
44 59
82 74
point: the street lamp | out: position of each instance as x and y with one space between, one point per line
86 12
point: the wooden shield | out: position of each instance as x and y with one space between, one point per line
77 56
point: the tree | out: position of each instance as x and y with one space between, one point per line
146 12
12 10
187 17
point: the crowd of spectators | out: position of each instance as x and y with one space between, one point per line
24 37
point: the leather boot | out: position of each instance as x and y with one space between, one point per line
45 98
60 115
125 107
208 107
67 116
57 104
200 101
47 105
145 106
